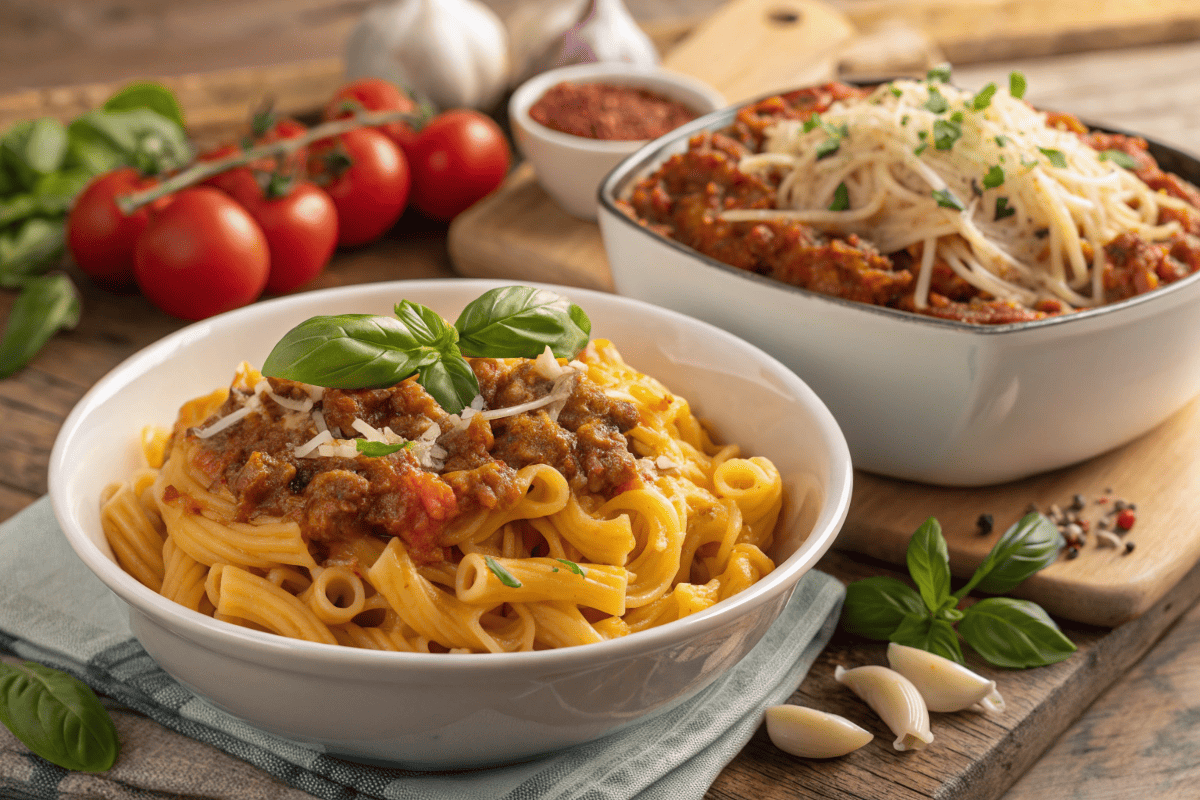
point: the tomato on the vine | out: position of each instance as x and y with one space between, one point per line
375 94
367 177
201 255
300 223
100 237
273 130
458 157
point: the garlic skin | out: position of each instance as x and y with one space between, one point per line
895 699
452 52
605 31
535 27
946 685
809 733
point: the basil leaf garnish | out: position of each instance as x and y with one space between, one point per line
379 449
841 198
994 177
349 351
520 322
983 98
57 717
426 326
45 306
928 634
451 382
945 133
1119 157
940 73
929 564
936 103
1028 546
1003 209
1014 633
1016 84
875 607
946 199
500 572
571 565
1055 157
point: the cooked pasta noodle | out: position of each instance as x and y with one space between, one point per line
662 523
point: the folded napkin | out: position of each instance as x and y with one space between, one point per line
54 611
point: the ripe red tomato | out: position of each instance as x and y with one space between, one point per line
100 237
371 192
201 255
459 157
375 94
301 228
283 128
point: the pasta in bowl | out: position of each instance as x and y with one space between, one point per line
664 554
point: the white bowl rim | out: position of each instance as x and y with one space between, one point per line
636 164
529 92
184 621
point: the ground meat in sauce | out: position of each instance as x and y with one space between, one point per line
337 499
603 111
684 199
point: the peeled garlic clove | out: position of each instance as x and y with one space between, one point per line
946 685
895 699
809 733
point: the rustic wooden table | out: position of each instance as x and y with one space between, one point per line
1138 739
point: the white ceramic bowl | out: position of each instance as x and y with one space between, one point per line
924 399
451 711
569 167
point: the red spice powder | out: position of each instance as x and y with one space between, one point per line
604 111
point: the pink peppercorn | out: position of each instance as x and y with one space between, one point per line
1126 519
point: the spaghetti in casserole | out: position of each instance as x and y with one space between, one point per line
571 503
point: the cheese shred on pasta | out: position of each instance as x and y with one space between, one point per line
561 566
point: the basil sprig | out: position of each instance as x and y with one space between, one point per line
1005 632
364 351
57 717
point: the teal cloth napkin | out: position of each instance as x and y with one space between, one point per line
54 611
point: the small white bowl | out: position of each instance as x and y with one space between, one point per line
926 399
429 711
569 167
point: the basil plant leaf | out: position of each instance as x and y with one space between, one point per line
30 249
520 322
929 564
57 717
90 150
875 607
145 139
349 351
17 207
56 193
44 306
451 382
1014 633
32 148
146 94
1028 546
931 635
427 326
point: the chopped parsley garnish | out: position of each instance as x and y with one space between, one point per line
1055 157
1003 209
828 147
841 198
957 116
1119 157
920 148
993 178
1001 140
904 120
1016 85
500 572
946 199
936 102
379 449
1028 164
571 565
894 89
983 98
939 74
945 133
812 122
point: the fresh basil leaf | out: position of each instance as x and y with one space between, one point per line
57 717
841 198
153 96
349 351
1016 85
994 177
32 148
1119 157
500 572
520 322
874 607
379 449
30 249
427 326
828 147
55 193
928 634
91 151
929 564
1028 546
1055 157
44 306
1014 633
945 133
983 97
451 382
145 139
946 199
571 565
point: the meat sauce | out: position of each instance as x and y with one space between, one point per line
338 499
684 198
603 111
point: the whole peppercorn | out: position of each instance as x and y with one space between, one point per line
1125 519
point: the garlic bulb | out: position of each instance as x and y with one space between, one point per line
601 30
809 733
452 52
533 28
946 685
894 698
